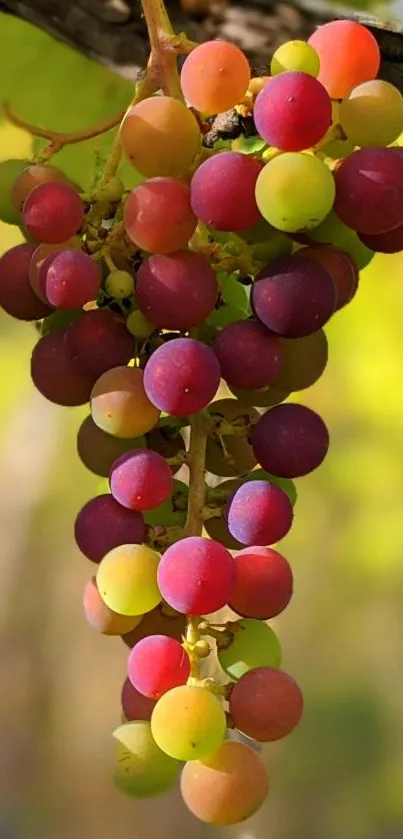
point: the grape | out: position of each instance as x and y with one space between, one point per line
217 529
140 480
348 55
99 340
333 231
69 278
177 290
188 723
248 355
16 295
158 216
119 284
238 456
98 450
59 319
372 115
223 191
228 786
57 377
262 398
254 645
196 576
53 212
267 242
264 584
142 769
135 706
168 442
160 621
389 242
160 136
293 112
173 511
9 172
295 55
40 254
102 524
127 579
158 664
266 704
138 325
120 405
100 617
282 196
182 376
341 268
260 513
215 77
294 297
369 190
290 440
304 360
34 175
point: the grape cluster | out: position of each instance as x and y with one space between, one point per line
185 312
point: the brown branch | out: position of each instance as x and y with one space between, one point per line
59 139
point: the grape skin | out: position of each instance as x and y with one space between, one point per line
140 480
182 376
264 584
176 291
295 55
341 268
348 55
196 576
69 278
215 77
127 579
120 405
290 440
53 212
142 769
293 112
16 295
99 340
254 645
232 206
103 524
32 176
39 256
389 242
281 193
259 513
100 617
369 190
188 723
266 704
157 664
57 377
248 355
158 216
372 115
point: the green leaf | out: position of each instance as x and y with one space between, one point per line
248 145
224 315
171 512
235 293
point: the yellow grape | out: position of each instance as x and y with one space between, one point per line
127 579
372 115
142 769
120 405
295 191
188 723
295 55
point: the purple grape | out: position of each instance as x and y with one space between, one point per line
259 513
141 479
57 377
99 340
369 190
103 524
389 242
69 278
182 377
16 294
249 356
292 112
222 191
290 441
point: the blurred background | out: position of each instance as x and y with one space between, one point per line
340 776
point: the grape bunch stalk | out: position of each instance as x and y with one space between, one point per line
186 312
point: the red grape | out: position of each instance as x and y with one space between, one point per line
99 340
98 450
389 242
290 440
266 704
196 576
141 479
56 375
157 664
369 190
248 355
69 279
176 291
16 295
293 111
340 266
348 53
264 583
182 376
53 212
135 706
39 256
32 176
160 621
260 513
103 524
158 216
222 191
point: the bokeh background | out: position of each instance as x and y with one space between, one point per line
340 776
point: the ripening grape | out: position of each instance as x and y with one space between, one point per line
120 405
176 290
135 706
238 456
372 115
98 450
160 137
294 297
9 172
182 376
389 242
103 524
157 664
41 253
56 375
290 440
196 576
254 645
140 480
249 356
119 284
266 704
69 279
160 621
295 55
53 212
158 216
293 112
260 513
264 583
100 617
127 579
282 195
16 295
142 769
227 787
369 190
341 268
222 191
348 54
215 77
34 175
99 340
188 723
304 360
138 325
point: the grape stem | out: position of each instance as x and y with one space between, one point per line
199 429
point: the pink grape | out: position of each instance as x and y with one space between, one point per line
182 376
135 706
99 340
141 479
260 513
100 617
222 191
266 704
196 576
158 216
56 375
290 441
53 212
389 242
69 279
158 664
249 356
176 291
264 583
369 190
17 298
292 112
103 524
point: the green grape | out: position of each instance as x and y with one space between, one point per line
119 284
142 769
333 231
254 645
112 191
372 114
267 243
283 197
188 723
173 511
138 325
295 55
9 172
338 149
127 579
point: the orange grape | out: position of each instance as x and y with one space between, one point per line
215 77
120 405
348 53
